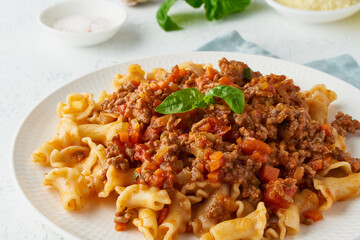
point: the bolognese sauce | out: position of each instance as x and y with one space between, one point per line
273 149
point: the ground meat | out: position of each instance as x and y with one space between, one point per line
234 70
125 217
118 97
220 111
345 124
79 156
142 111
222 208
116 157
215 211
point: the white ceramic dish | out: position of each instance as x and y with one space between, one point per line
308 16
96 220
106 9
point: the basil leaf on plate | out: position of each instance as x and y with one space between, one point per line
180 101
163 19
232 96
206 101
190 98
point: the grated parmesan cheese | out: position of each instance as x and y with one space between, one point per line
318 5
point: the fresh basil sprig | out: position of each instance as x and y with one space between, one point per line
214 9
163 19
190 98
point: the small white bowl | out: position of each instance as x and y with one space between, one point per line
106 9
309 16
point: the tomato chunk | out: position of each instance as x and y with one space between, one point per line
141 153
210 73
314 215
151 133
216 160
120 109
225 81
214 176
150 165
268 173
158 178
120 145
327 129
277 196
216 126
316 165
260 157
290 192
251 145
163 214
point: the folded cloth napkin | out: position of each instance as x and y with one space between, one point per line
344 66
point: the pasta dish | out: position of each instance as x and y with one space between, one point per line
225 154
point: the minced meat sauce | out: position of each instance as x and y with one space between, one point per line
272 147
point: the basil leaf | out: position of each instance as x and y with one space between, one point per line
247 73
180 101
202 104
136 175
233 97
217 9
206 101
195 3
214 9
190 98
163 19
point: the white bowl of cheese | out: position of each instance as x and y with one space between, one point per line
316 11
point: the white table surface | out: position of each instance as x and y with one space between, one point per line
33 64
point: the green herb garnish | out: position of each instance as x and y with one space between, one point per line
190 98
163 19
247 73
136 175
214 9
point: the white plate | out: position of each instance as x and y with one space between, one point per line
96 220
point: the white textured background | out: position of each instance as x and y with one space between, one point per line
33 64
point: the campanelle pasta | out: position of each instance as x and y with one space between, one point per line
138 195
250 227
179 214
147 223
211 171
77 106
72 186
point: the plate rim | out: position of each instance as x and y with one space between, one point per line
15 179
